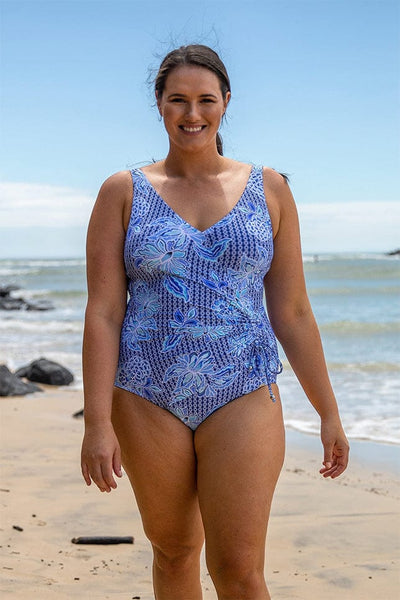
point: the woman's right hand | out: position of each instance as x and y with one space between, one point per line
101 456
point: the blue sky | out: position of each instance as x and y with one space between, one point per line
315 93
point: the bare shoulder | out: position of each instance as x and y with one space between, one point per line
115 198
279 197
275 183
118 186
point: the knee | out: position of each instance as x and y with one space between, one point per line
237 576
173 557
175 550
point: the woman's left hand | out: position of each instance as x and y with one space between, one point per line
336 448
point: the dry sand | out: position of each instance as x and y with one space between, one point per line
327 539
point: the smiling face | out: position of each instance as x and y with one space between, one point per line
192 106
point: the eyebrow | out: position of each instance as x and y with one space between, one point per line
177 95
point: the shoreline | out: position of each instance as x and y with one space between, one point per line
327 539
378 455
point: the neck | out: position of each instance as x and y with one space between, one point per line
193 164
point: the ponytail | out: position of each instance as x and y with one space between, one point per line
220 145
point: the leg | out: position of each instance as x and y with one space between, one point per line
158 456
240 451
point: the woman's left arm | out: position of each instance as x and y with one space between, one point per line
294 324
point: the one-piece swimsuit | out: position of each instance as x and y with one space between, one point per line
196 334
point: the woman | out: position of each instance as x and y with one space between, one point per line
181 382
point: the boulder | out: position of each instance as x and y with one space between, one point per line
46 371
11 385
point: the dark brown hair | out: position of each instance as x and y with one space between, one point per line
199 56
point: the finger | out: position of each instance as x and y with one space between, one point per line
342 463
328 456
108 477
85 473
328 472
338 471
329 463
117 462
334 472
97 477
339 465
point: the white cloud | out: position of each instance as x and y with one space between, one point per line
350 226
33 205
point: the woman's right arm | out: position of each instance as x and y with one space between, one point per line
107 294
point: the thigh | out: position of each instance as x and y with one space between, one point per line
240 451
158 456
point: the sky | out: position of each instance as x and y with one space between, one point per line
315 94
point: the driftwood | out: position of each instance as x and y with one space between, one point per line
103 539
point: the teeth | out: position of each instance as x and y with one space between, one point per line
192 129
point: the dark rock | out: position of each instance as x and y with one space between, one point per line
8 302
46 371
393 252
39 305
5 290
11 385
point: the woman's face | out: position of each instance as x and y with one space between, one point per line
192 107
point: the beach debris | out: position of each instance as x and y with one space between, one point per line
12 385
78 414
103 539
46 371
18 528
9 302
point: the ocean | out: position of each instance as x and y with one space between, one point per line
355 298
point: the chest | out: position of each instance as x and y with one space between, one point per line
162 242
202 204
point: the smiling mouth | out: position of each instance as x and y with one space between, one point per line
192 129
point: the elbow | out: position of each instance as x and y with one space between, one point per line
110 315
286 320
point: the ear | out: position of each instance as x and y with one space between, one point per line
158 100
226 100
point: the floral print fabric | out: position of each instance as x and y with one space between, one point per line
196 334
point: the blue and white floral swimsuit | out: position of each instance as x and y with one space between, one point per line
196 334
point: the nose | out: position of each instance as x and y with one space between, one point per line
192 111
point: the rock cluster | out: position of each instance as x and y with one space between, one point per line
40 371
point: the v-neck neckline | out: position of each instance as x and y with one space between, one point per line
228 214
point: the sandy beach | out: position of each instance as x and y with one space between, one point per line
327 539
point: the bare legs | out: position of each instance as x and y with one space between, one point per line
240 450
223 476
158 456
